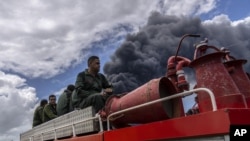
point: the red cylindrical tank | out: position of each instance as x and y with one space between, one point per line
153 90
240 78
212 74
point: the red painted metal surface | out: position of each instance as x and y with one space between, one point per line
204 124
194 126
154 89
212 74
239 76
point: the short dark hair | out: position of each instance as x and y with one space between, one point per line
52 95
43 102
71 87
91 59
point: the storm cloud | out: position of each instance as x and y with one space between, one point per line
143 55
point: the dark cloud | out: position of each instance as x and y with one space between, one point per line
143 55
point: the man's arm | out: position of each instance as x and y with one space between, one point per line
108 88
40 113
48 112
105 83
79 86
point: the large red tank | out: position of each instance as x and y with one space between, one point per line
240 78
153 90
212 74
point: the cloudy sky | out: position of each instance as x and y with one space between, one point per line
44 44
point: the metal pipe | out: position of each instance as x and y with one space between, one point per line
55 134
187 35
100 123
73 130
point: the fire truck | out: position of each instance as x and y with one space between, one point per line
155 112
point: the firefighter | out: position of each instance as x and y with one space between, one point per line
195 108
49 111
64 101
38 114
91 87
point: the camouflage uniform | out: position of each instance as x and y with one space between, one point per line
88 89
49 112
64 103
38 116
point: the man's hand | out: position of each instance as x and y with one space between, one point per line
107 91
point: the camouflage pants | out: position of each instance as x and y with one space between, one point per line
95 100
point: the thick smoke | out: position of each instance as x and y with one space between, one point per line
143 56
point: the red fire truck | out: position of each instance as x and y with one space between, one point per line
155 110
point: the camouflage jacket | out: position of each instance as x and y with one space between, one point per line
86 84
49 112
38 116
64 103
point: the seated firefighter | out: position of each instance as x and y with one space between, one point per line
195 108
64 102
49 111
91 87
38 114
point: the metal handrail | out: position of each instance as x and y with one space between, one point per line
214 106
73 126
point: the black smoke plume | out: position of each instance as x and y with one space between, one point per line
143 56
